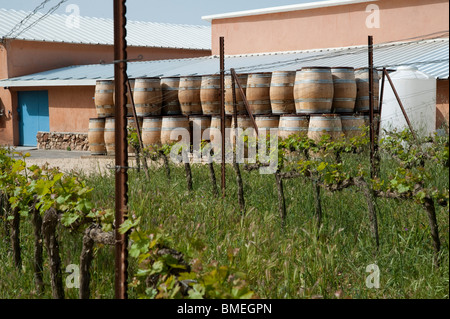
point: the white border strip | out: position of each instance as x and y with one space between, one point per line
35 83
294 7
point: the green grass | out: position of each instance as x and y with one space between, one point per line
295 262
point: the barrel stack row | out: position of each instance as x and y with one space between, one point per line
311 90
315 100
158 129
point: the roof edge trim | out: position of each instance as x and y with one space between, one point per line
8 83
288 8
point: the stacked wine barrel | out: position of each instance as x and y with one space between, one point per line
312 100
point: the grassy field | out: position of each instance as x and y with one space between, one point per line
296 261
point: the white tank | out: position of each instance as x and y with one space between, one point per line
417 92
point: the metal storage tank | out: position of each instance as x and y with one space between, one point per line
417 91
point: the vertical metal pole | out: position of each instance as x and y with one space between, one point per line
222 108
121 200
235 124
371 107
380 107
233 87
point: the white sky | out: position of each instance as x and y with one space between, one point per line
169 11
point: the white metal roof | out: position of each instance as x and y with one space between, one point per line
294 7
429 56
54 28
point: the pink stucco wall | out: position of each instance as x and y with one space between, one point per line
327 27
28 57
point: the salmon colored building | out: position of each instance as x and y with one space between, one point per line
332 24
53 44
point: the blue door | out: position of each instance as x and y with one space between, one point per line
33 116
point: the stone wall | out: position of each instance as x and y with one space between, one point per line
63 141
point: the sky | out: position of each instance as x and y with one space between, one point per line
165 11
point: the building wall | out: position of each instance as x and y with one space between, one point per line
28 57
442 106
70 109
327 27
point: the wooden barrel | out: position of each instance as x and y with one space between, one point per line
362 96
266 123
313 90
344 89
216 122
240 107
189 95
199 124
110 141
151 131
210 94
258 93
170 123
104 98
282 92
293 124
216 128
244 122
320 125
129 100
147 96
169 87
352 125
96 136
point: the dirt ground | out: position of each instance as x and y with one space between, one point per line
86 165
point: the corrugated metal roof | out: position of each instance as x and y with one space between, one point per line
101 31
430 56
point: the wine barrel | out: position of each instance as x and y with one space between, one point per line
240 106
189 95
129 100
151 131
199 124
109 135
313 90
104 98
352 125
244 122
344 82
169 87
266 123
258 93
147 96
96 136
320 125
170 123
210 94
363 87
217 120
216 123
293 124
282 92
